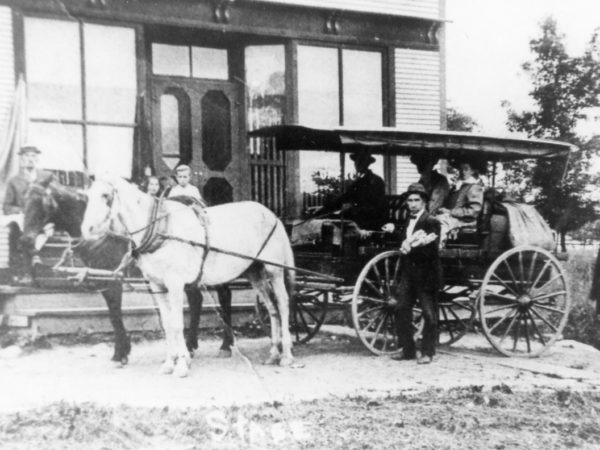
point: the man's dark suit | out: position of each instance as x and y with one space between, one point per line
420 279
367 196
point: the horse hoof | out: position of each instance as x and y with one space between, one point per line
224 353
272 361
286 362
124 360
181 370
167 368
191 352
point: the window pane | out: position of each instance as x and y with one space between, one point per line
171 60
363 97
216 130
210 63
110 51
169 125
265 84
53 62
318 90
61 145
110 149
318 105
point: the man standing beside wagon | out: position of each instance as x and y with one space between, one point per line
419 277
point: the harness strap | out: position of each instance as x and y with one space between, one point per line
152 239
204 221
268 238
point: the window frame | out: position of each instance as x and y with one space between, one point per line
19 19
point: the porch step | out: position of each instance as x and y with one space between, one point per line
72 311
96 320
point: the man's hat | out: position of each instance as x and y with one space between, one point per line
361 156
29 149
417 188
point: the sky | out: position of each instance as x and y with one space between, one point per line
487 41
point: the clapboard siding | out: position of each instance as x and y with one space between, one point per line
7 68
418 101
428 9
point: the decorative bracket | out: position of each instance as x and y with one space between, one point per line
433 34
221 12
332 24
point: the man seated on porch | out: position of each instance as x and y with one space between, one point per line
364 199
14 202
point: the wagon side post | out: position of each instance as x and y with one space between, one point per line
343 189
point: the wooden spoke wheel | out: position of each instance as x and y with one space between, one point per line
308 309
524 301
374 303
455 316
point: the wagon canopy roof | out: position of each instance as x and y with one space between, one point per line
394 141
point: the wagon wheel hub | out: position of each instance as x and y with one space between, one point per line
524 300
392 302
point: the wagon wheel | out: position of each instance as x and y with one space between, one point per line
524 302
308 309
455 316
374 302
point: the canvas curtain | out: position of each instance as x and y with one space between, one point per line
13 137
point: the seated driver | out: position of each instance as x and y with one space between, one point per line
364 199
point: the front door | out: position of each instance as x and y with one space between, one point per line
197 122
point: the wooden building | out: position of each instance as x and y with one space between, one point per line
134 86
139 86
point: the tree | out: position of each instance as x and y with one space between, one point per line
563 86
457 121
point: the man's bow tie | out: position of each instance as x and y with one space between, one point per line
413 216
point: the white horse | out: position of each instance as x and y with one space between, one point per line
248 228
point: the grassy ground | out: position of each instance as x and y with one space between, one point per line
582 325
466 418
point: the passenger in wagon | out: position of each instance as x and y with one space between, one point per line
364 200
420 276
465 200
436 185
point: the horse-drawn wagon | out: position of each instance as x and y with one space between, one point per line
515 293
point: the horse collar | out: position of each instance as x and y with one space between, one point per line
154 233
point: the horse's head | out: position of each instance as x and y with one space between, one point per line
103 211
46 202
39 210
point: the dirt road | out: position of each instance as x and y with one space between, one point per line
329 365
78 383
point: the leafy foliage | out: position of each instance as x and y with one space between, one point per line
563 87
457 121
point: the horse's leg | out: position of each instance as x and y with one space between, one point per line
194 297
113 295
224 294
181 356
283 304
165 317
258 280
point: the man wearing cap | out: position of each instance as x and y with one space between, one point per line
420 276
364 200
16 188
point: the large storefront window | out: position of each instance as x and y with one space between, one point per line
322 91
79 127
265 99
